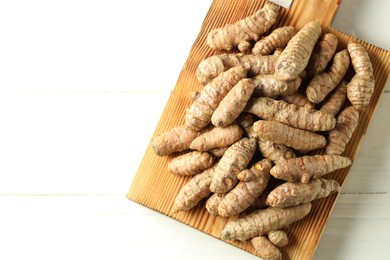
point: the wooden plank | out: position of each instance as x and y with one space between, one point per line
111 171
356 220
358 18
108 227
97 227
369 173
154 187
74 143
105 46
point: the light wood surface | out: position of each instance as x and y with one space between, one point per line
71 89
153 185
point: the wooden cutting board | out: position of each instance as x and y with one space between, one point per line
154 187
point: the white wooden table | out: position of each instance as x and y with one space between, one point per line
82 86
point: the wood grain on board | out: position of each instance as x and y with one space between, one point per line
154 187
